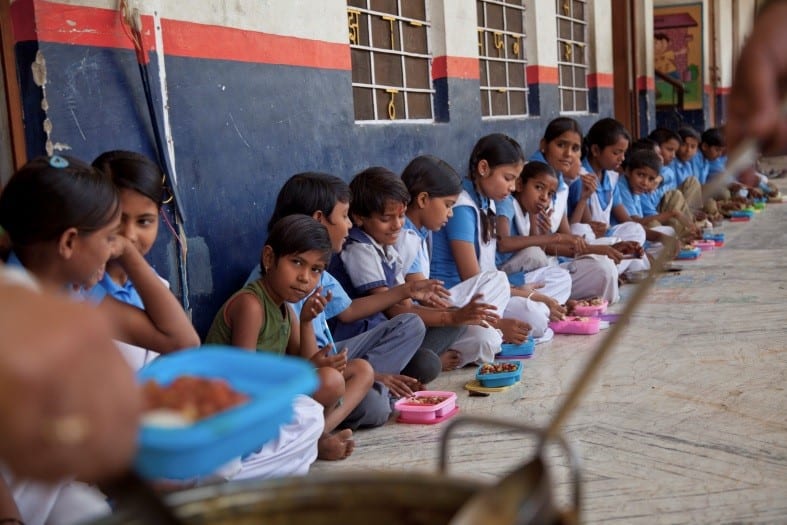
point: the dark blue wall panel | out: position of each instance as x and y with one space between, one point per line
239 131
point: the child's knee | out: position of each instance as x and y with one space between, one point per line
362 371
373 410
331 386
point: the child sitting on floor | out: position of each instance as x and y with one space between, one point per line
257 318
370 264
392 347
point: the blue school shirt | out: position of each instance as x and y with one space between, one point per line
376 269
505 208
125 293
715 167
650 202
701 167
463 226
339 302
670 180
604 190
423 235
683 170
629 200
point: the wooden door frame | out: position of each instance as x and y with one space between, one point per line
11 87
624 78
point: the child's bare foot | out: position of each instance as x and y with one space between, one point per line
336 446
450 360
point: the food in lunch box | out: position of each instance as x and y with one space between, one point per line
189 399
425 400
591 301
497 368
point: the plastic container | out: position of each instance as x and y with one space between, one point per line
523 350
704 245
575 325
497 379
592 310
689 253
269 380
411 411
717 237
736 214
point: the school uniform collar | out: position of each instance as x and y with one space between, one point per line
423 231
122 292
388 253
482 201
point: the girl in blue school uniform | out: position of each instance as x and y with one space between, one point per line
467 245
434 188
140 185
605 148
61 216
561 148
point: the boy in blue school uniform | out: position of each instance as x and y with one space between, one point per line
370 264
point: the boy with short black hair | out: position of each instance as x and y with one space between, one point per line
370 264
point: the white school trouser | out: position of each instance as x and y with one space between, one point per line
61 503
293 451
479 344
654 250
537 268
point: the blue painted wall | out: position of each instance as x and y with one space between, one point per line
240 130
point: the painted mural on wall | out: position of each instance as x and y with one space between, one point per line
677 54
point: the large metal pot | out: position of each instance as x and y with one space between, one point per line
377 498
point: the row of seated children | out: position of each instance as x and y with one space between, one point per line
546 224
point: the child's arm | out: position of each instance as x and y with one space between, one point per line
163 325
475 312
581 212
428 290
507 243
245 316
303 342
621 214
556 310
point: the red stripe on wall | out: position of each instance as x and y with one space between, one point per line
455 67
542 75
723 90
600 80
89 26
646 84
224 43
75 25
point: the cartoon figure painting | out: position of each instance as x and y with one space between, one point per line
677 52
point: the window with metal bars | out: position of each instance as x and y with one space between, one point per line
502 61
391 60
572 55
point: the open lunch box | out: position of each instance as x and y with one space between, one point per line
269 381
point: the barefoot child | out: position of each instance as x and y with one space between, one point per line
521 232
467 245
393 347
257 318
434 188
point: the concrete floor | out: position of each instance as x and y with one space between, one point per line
685 423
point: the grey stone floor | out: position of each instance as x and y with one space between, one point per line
685 423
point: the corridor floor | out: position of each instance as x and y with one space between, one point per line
686 421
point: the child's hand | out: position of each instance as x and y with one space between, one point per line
632 248
430 292
475 313
314 305
325 359
514 330
589 185
399 385
599 228
544 221
556 310
610 252
529 289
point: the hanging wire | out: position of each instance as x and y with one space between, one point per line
132 26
